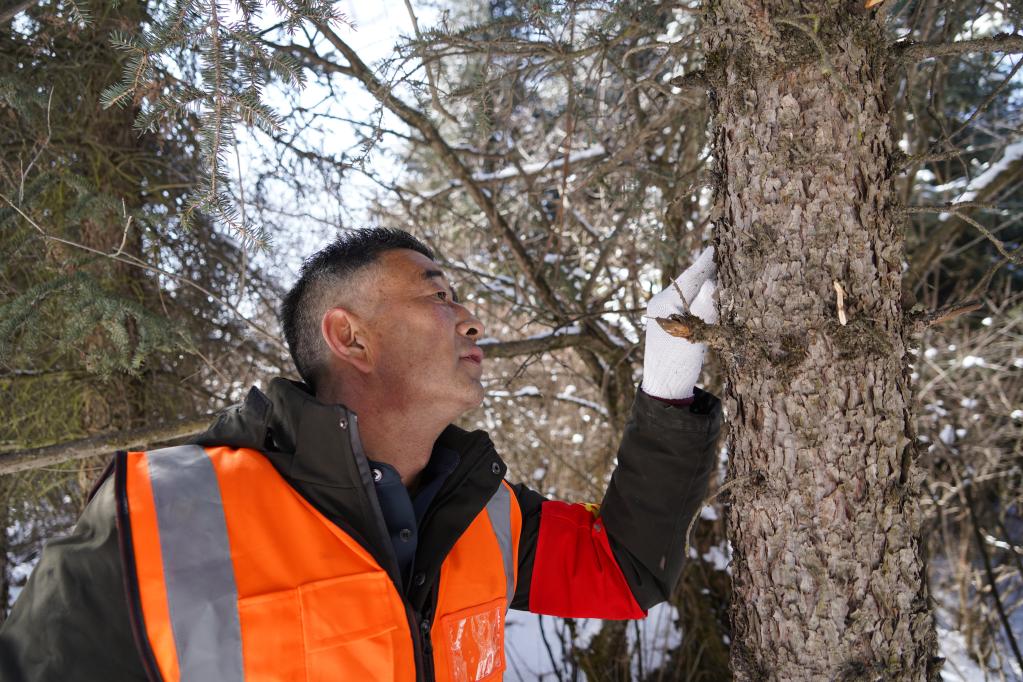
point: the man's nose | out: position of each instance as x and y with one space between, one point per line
469 325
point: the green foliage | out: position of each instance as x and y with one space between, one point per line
234 64
132 333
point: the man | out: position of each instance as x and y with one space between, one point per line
342 528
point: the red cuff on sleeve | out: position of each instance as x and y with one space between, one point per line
677 402
575 574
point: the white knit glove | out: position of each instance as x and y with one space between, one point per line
671 366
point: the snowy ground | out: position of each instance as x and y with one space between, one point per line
530 659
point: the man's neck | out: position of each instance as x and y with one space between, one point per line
396 434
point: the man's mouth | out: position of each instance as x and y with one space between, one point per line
475 355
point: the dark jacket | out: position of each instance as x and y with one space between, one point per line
72 622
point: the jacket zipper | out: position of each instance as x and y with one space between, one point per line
427 646
422 654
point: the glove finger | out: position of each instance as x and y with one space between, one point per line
704 306
696 274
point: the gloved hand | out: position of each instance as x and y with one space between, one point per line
671 366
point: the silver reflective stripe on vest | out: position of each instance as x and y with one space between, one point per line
499 512
197 569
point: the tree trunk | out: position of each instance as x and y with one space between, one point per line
829 582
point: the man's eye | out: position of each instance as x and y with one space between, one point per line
443 295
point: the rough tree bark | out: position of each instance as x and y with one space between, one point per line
829 583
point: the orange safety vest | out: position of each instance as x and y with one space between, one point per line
237 577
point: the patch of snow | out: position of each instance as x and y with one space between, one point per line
968 403
947 435
581 401
527 391
539 473
560 331
709 513
593 152
719 557
987 321
973 361
1012 153
1016 414
930 353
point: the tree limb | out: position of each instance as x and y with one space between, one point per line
107 443
951 206
509 349
918 322
911 51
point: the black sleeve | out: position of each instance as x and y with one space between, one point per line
71 622
664 462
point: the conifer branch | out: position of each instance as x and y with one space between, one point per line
128 259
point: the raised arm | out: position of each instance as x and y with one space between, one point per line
617 559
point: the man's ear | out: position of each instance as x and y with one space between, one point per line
343 331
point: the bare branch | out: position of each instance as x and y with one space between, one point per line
950 207
910 51
542 344
1011 256
434 95
107 443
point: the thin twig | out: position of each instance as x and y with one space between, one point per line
127 226
722 489
434 95
42 148
990 98
241 205
1013 256
992 583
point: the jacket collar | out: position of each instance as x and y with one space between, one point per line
304 438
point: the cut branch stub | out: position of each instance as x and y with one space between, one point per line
691 328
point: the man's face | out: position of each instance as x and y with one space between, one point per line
422 341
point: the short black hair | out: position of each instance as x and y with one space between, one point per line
321 286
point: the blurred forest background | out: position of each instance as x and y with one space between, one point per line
165 164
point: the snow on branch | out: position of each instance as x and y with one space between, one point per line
538 344
524 170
